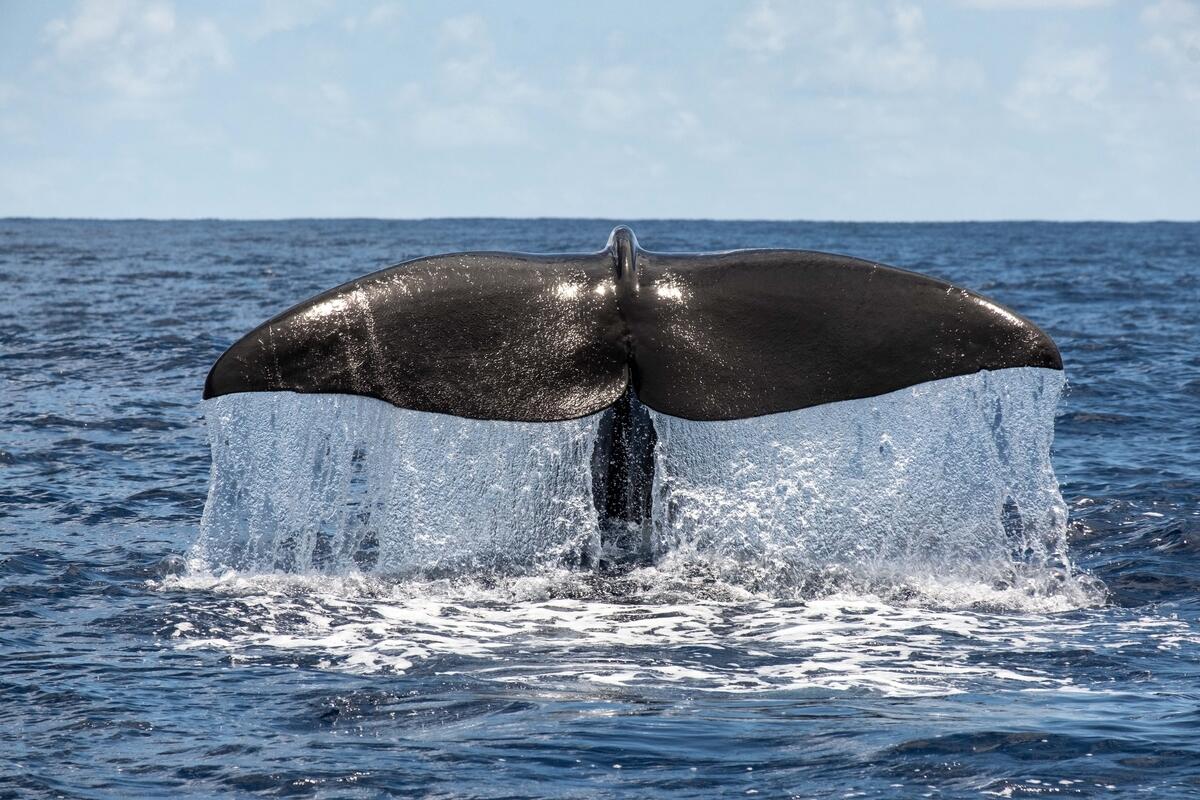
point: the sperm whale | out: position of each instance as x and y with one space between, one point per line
698 336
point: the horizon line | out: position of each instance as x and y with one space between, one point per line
540 218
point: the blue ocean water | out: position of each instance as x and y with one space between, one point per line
123 673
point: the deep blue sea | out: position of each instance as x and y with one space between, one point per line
126 670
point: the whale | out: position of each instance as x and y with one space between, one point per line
708 337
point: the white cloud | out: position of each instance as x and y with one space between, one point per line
468 30
1174 27
1059 83
608 96
1038 4
475 99
282 16
698 135
327 107
764 31
15 125
379 16
622 102
138 50
460 125
1173 35
856 45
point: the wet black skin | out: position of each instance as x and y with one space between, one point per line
710 336
623 478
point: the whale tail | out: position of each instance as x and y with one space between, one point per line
713 336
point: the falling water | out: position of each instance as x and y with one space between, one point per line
945 482
331 483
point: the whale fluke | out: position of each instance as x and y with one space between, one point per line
714 336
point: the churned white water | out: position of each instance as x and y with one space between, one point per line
521 634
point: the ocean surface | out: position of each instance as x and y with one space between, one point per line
151 649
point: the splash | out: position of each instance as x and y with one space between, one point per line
943 493
336 483
942 488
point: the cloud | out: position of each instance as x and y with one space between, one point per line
378 16
468 30
1036 4
283 16
1174 27
475 99
461 125
764 31
15 125
698 135
1173 35
605 97
327 107
622 102
138 50
1057 83
849 46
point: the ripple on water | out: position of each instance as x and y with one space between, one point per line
123 674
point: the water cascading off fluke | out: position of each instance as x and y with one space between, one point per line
751 409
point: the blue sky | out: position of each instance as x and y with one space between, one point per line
863 109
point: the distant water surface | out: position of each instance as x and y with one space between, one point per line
124 673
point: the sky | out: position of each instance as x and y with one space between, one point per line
850 110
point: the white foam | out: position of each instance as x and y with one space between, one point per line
521 633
